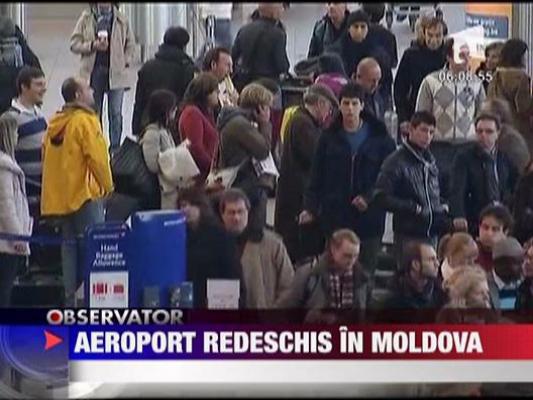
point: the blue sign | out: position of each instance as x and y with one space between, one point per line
496 26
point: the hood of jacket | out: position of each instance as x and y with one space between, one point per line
172 53
228 113
509 76
59 122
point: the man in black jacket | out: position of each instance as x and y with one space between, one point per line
11 42
170 69
416 63
481 175
345 167
328 29
303 132
260 47
385 38
408 186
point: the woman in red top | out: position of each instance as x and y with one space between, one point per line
197 122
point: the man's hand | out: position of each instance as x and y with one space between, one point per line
19 247
262 114
360 203
460 225
100 44
305 217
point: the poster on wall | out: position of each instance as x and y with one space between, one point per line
494 17
108 289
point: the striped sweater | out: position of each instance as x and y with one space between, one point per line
28 153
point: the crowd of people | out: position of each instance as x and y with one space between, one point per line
462 224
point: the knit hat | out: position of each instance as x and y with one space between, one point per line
508 247
322 90
176 36
358 16
7 27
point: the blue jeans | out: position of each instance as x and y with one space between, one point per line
100 85
73 227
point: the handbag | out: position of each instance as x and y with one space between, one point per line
130 173
222 177
177 165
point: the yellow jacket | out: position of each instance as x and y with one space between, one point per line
75 161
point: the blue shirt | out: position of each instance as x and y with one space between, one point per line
357 138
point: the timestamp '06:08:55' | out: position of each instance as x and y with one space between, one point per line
464 76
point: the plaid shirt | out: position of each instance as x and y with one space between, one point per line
341 290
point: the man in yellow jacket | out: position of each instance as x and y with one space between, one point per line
76 174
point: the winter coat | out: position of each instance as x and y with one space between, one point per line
410 177
219 262
170 69
514 85
154 141
513 145
14 214
260 47
406 298
310 288
454 103
417 62
298 149
201 132
75 161
523 208
337 178
267 271
242 139
475 184
524 296
8 73
325 35
121 47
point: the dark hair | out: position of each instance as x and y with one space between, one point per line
199 89
411 252
69 88
26 75
160 103
357 16
196 196
448 47
269 84
500 213
232 196
212 56
352 90
490 117
425 117
329 63
494 46
176 36
376 11
512 54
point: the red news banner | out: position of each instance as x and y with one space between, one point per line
285 342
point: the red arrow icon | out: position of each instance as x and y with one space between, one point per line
51 340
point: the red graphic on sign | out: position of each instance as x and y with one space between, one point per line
118 288
51 340
99 288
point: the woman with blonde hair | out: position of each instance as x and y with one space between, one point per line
14 214
457 250
467 287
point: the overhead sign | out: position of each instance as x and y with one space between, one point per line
495 18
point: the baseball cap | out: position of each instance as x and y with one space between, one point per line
508 247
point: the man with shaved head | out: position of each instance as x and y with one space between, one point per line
368 76
260 48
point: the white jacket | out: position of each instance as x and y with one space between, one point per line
14 213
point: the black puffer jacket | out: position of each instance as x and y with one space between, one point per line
475 185
170 69
325 34
523 208
410 177
337 178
